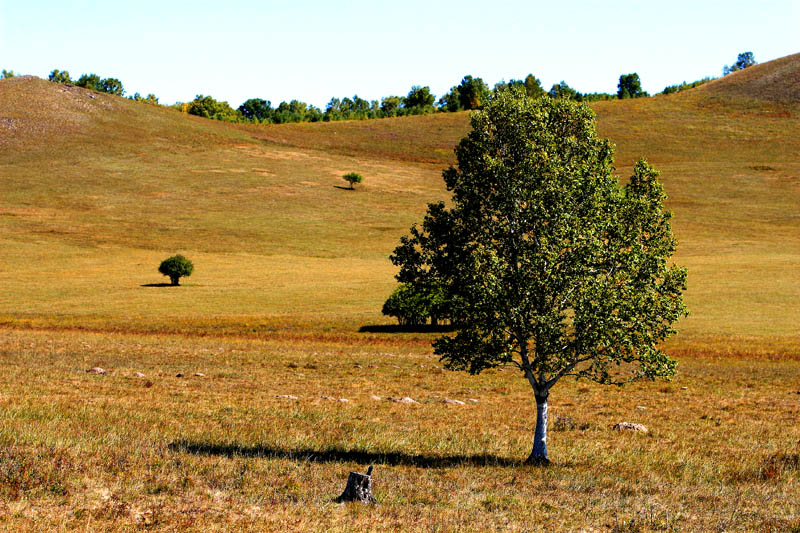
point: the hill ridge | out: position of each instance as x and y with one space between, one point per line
775 81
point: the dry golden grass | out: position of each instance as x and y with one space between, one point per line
224 451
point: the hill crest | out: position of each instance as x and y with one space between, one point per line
773 81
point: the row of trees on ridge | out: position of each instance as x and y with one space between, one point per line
472 93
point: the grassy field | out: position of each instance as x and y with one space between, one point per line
225 451
95 191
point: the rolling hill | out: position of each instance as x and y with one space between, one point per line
95 190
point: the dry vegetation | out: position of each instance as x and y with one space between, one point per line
224 451
95 191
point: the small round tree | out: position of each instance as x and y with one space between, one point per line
352 178
176 267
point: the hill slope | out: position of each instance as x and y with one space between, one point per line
775 81
95 190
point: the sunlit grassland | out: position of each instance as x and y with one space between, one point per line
223 451
95 192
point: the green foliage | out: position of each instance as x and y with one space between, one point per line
176 267
685 86
352 178
112 86
408 305
630 86
562 90
391 106
93 82
413 304
149 99
208 107
451 101
60 76
471 93
744 60
89 81
355 108
531 85
256 109
549 264
595 97
5 74
419 98
296 111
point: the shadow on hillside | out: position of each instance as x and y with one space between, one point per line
338 455
396 328
159 285
343 188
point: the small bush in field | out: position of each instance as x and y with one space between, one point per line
176 267
352 178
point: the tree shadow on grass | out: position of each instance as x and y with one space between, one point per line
396 328
159 285
339 455
343 188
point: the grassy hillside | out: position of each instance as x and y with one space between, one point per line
96 190
775 81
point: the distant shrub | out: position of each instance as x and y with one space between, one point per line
408 306
5 74
112 86
176 267
93 82
685 86
60 76
208 107
149 99
89 81
562 90
413 305
744 60
352 178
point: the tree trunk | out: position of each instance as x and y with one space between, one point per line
174 280
538 455
358 488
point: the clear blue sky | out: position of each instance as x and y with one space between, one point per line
313 50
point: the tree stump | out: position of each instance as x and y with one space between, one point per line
358 489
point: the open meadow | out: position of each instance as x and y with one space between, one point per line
286 367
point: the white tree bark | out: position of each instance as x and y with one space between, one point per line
539 453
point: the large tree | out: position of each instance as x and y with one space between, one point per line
547 262
419 97
256 109
630 86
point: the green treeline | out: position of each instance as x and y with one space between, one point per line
686 86
471 93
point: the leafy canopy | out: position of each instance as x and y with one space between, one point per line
630 86
352 178
176 267
548 263
743 60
